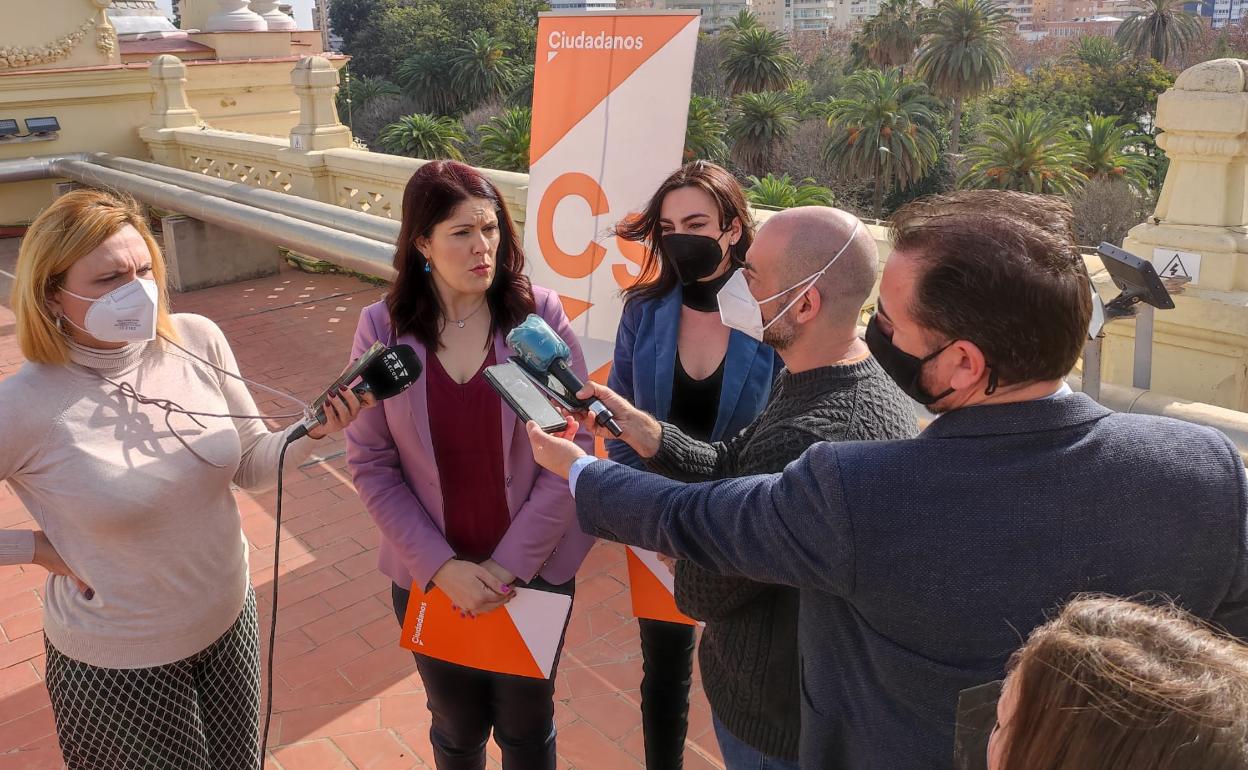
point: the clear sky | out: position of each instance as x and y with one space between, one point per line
303 11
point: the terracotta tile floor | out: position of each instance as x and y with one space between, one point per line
346 696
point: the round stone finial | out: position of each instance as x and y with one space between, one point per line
167 67
1227 76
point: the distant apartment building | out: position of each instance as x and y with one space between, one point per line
330 41
582 5
1228 12
774 14
715 13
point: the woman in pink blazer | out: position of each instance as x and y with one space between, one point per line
445 469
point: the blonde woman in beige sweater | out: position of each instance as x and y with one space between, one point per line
149 618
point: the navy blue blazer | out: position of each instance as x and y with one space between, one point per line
645 365
924 563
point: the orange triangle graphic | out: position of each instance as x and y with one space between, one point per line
574 307
489 642
651 599
582 59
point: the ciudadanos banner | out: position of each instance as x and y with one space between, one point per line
610 102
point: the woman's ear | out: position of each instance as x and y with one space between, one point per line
52 302
734 231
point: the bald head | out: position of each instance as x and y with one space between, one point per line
799 242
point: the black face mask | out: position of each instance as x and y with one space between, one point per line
693 257
904 369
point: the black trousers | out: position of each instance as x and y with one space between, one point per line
195 714
467 704
667 673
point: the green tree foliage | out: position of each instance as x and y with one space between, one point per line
783 193
884 129
762 122
1111 150
349 17
1029 151
505 140
1128 89
705 130
1161 30
963 53
362 92
889 38
426 79
480 68
396 33
742 21
429 137
757 60
1096 51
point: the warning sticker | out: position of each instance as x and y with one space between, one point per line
1177 264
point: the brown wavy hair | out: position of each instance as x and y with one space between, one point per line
1115 685
657 278
431 195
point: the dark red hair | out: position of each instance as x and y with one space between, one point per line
431 195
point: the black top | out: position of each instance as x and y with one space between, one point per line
749 647
695 403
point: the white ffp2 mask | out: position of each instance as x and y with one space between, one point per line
739 310
125 314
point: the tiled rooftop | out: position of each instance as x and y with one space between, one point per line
346 695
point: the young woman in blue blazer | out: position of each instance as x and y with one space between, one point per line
675 359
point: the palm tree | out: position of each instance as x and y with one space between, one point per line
522 93
757 61
363 90
741 22
964 53
1107 151
425 136
763 120
1096 51
480 69
890 37
505 140
782 193
1161 30
1028 150
883 129
705 130
425 78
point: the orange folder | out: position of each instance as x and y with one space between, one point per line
520 638
653 588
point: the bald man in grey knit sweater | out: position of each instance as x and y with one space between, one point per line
830 390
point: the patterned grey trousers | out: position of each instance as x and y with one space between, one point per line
196 714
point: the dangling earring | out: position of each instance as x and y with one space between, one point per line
428 267
60 324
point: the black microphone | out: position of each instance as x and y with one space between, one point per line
541 352
383 372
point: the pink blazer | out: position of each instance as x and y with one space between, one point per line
390 454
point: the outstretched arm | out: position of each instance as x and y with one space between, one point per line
789 529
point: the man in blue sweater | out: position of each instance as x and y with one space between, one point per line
922 563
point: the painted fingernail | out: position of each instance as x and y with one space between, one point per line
504 589
342 388
90 594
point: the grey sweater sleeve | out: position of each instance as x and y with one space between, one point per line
684 458
709 596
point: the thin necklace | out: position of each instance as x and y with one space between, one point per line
460 322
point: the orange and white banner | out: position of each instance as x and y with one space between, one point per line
652 587
610 103
521 637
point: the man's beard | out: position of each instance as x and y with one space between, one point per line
780 335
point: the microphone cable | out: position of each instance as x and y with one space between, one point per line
277 546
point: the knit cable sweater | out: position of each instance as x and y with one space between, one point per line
151 527
748 654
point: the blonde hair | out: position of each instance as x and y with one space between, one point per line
1112 684
69 229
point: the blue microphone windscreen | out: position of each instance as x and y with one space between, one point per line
536 344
